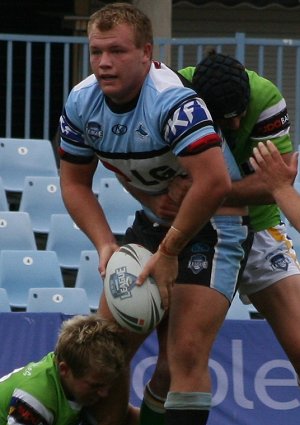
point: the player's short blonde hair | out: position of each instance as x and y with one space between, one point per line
114 14
88 343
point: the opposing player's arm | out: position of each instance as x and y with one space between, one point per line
279 177
252 190
162 205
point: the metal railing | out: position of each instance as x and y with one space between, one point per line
37 73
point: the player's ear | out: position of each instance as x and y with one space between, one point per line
63 368
148 51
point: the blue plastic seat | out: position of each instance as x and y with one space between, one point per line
3 197
67 240
21 270
25 157
100 173
89 278
4 301
117 204
16 231
58 300
41 197
238 310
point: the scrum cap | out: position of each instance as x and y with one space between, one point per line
223 83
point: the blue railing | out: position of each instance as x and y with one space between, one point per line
37 73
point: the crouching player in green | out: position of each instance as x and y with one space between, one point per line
61 388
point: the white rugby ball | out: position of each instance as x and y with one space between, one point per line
137 308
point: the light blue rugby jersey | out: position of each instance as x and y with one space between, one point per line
142 143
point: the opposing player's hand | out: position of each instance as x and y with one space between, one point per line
106 252
270 166
163 206
178 188
164 270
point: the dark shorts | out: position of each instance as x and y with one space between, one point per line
214 258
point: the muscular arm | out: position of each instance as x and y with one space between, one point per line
210 183
84 207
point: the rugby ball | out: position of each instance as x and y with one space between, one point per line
137 308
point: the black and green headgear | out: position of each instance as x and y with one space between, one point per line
223 83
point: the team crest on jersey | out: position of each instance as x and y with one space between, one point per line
197 263
279 261
184 118
94 131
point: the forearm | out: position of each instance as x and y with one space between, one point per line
248 191
87 213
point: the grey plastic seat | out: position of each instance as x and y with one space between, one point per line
67 240
58 300
25 157
21 270
41 197
16 231
89 278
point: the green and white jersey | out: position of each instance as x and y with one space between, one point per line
33 395
266 118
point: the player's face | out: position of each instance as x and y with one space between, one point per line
230 123
86 390
119 66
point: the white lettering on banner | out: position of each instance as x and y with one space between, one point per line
261 383
138 375
221 388
238 375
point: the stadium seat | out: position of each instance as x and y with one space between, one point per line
67 240
3 197
21 270
89 278
238 310
4 302
25 157
101 172
41 197
16 231
58 300
117 204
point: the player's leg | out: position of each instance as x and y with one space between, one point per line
196 315
198 309
272 283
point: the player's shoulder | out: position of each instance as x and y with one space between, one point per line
261 85
88 82
162 78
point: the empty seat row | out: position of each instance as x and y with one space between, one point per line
51 300
41 198
21 270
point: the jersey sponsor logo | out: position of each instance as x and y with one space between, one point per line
156 175
25 414
185 118
272 125
94 131
198 263
119 129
